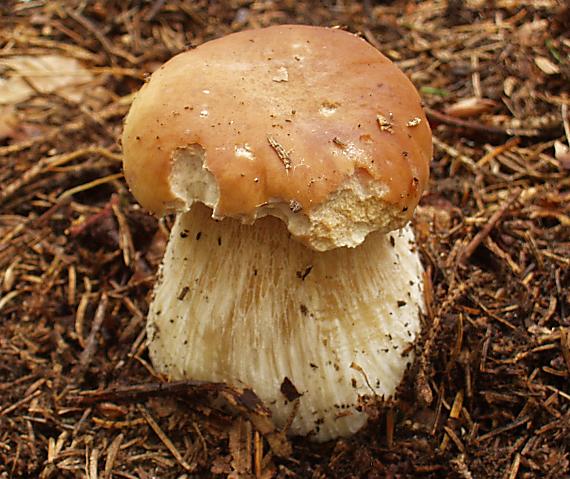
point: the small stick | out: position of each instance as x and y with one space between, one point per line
125 237
498 150
153 10
91 343
48 163
202 440
106 211
258 454
118 108
514 469
565 122
565 346
454 153
475 76
438 408
454 414
91 462
71 285
500 430
80 317
291 416
245 401
438 117
390 428
165 440
17 404
486 231
90 185
108 46
451 434
112 455
141 391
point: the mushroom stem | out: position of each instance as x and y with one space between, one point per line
250 306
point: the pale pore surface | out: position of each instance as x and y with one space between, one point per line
250 306
350 214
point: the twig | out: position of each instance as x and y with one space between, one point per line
437 117
143 391
565 121
91 463
500 430
91 343
17 404
125 237
45 164
565 346
245 401
112 455
106 43
514 468
498 150
390 428
257 455
153 10
77 229
481 235
451 151
165 440
454 414
89 185
118 108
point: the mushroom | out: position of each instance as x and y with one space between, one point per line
294 157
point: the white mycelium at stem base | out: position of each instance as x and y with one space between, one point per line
250 306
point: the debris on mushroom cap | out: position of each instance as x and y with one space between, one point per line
258 120
316 331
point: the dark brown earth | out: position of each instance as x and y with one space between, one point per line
489 394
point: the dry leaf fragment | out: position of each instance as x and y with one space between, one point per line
562 154
546 66
24 76
509 85
469 107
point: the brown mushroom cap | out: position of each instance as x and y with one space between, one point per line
309 124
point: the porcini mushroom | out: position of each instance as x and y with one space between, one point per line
290 154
